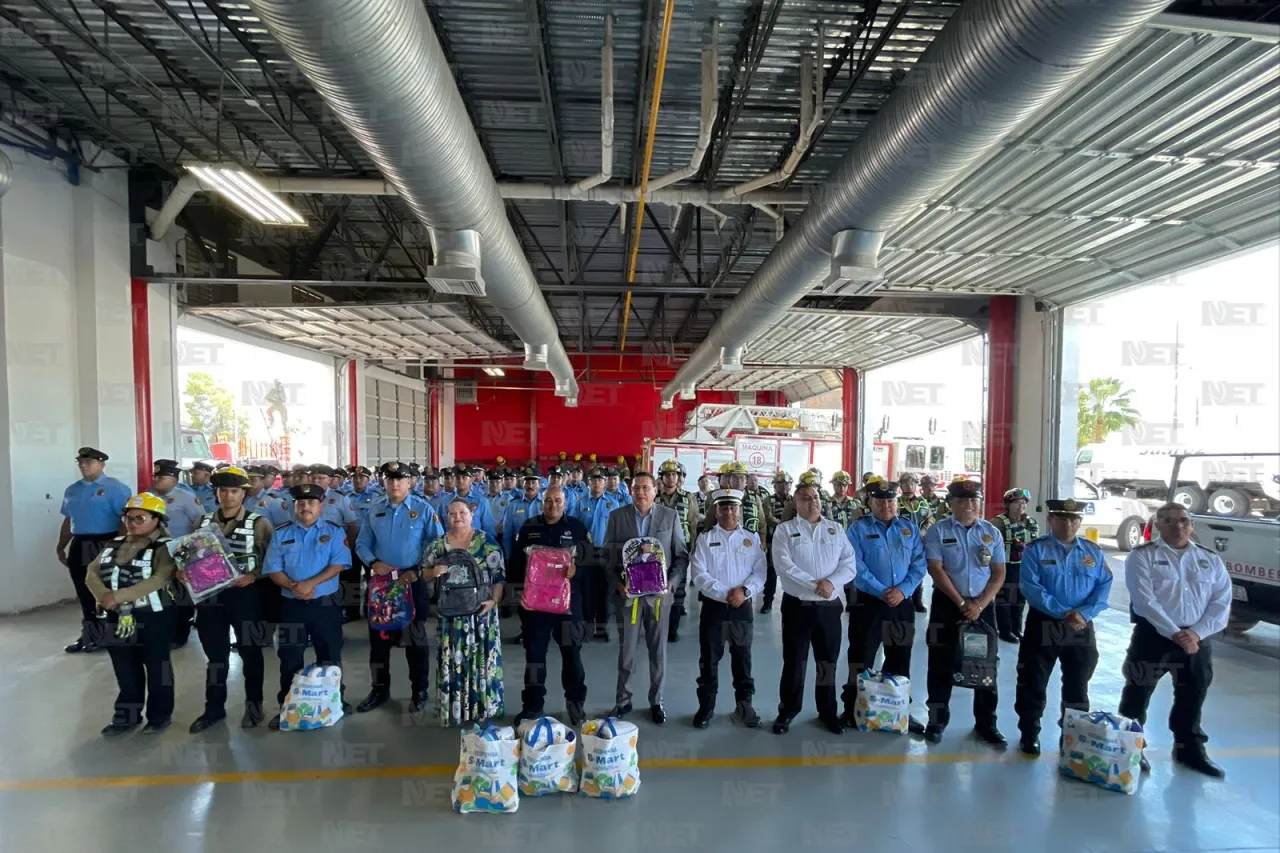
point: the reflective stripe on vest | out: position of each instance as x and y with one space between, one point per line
136 570
681 505
241 539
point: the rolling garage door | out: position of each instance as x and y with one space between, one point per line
395 422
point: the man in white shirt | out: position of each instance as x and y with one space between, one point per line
728 570
1180 595
814 561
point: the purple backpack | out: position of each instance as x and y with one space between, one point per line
644 567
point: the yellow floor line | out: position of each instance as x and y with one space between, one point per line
761 762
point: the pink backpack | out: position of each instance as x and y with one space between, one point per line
546 589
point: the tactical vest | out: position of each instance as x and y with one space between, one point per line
751 514
241 539
843 514
131 573
680 503
1017 534
778 506
916 510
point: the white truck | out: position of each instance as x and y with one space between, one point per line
1250 549
1231 485
1112 516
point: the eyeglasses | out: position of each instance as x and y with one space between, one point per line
136 519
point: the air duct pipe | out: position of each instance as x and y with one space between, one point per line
992 65
379 66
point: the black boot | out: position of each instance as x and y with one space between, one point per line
702 719
206 720
375 699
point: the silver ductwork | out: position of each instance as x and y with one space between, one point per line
379 66
992 65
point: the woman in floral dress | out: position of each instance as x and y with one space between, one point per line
469 669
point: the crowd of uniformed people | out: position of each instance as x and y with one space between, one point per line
844 560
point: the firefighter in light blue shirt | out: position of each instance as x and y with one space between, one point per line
891 565
966 558
92 508
305 559
201 487
479 483
481 518
615 488
362 493
258 499
521 510
183 510
497 499
399 527
1065 581
511 483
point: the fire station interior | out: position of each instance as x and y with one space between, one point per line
520 228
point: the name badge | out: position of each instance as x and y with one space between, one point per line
793 536
379 515
716 544
873 535
948 541
101 492
1048 562
286 542
1162 562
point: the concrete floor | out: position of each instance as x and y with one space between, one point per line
377 781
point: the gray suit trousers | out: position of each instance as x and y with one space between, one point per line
650 620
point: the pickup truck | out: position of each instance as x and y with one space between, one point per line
1250 549
1112 516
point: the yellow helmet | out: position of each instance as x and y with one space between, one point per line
669 467
502 460
577 457
841 477
781 477
232 477
592 457
874 478
622 460
153 504
564 455
810 478
734 468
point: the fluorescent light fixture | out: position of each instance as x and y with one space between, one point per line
246 193
494 371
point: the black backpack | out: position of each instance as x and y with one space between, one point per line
465 588
977 648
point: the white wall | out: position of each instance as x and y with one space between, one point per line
67 359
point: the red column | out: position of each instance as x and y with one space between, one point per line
353 414
433 426
999 437
141 378
849 422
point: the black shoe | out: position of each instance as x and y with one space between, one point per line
576 712
375 699
766 608
702 719
274 725
914 726
832 724
991 736
621 711
1017 635
848 720
1144 764
206 720
346 707
419 702
920 608
782 725
745 714
77 647
673 636
117 729
517 640
156 728
525 714
933 734
1030 745
658 714
252 717
601 635
1008 637
1198 761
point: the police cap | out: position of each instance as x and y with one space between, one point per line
495 474
732 497
359 471
166 468
529 474
462 471
320 470
395 470
91 453
964 489
1070 507
882 490
556 471
307 492
596 473
201 466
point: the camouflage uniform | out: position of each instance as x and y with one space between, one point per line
1009 602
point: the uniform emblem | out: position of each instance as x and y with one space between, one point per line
831 530
413 513
1070 505
332 500
324 538
1204 564
1089 562
101 492
197 500
906 531
986 539
746 542
393 466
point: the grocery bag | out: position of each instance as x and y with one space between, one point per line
1105 749
548 754
314 700
486 777
884 702
610 762
546 587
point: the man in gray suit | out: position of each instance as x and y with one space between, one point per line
648 614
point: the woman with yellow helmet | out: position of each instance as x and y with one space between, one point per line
132 582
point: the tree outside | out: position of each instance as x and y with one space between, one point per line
210 408
1105 407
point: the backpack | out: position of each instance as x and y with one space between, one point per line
977 653
644 567
466 586
389 605
546 589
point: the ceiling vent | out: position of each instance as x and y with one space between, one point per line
855 258
456 269
464 394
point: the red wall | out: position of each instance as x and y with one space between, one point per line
617 410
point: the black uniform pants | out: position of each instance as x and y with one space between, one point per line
414 640
1048 641
1150 656
350 588
81 551
595 596
873 624
771 578
184 614
944 635
539 630
238 609
1009 602
316 623
718 624
144 674
809 625
270 597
